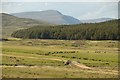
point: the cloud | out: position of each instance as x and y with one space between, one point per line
60 0
46 4
9 7
11 4
107 10
94 13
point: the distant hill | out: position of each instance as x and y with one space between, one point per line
96 20
89 31
50 16
10 20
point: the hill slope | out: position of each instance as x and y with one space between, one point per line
11 23
9 20
51 16
91 31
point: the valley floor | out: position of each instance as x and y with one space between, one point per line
38 58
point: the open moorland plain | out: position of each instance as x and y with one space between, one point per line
45 58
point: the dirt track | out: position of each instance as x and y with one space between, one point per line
93 70
74 63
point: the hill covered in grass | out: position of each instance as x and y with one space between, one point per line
10 20
50 16
91 31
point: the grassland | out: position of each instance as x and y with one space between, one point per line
7 31
29 58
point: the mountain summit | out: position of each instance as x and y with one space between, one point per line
50 16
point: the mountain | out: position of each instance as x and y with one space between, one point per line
10 20
51 16
96 20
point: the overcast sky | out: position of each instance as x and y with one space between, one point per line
60 0
80 10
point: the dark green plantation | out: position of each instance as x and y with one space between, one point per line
88 31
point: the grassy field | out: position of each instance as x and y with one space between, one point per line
25 58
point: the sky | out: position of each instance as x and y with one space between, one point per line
80 10
60 0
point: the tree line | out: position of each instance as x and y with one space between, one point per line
86 31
